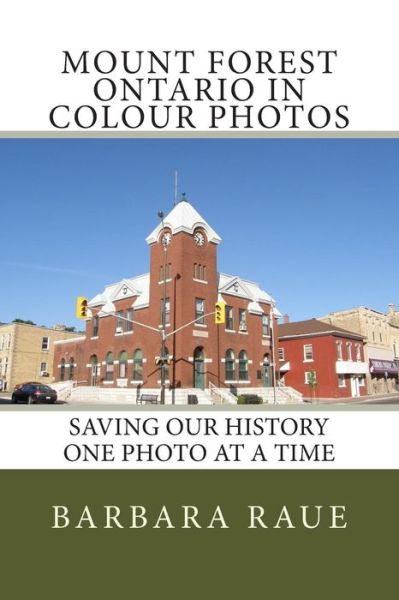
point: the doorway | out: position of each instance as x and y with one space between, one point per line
94 370
267 378
355 392
199 368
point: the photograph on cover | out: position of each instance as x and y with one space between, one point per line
199 271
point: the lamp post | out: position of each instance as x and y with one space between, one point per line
273 365
163 313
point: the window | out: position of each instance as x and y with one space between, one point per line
348 351
95 326
109 367
229 366
341 381
307 352
358 352
71 368
281 354
242 319
128 323
165 311
119 322
168 272
229 317
138 365
43 366
8 341
62 370
243 366
362 380
310 378
265 325
339 350
45 343
2 342
199 272
122 364
200 311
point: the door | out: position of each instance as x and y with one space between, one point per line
355 386
94 370
267 379
199 369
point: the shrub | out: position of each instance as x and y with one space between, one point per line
249 399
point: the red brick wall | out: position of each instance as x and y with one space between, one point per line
324 363
182 290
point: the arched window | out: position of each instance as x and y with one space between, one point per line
123 364
229 366
138 365
62 370
243 366
109 367
71 368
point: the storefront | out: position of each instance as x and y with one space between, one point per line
384 376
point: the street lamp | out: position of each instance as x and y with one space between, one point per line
163 313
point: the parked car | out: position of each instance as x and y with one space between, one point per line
34 392
19 385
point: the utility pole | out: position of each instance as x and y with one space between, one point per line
163 357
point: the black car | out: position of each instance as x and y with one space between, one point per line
34 392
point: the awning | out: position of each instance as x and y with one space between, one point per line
284 367
380 367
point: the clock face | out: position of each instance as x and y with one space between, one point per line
199 238
166 239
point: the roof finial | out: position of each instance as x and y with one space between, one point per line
183 197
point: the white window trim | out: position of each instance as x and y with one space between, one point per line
304 353
199 280
341 378
308 373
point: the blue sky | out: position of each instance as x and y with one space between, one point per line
315 222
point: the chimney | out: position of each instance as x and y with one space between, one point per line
391 308
286 319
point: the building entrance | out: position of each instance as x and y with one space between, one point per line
199 368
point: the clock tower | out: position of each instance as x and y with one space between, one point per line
183 275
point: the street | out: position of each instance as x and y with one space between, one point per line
5 398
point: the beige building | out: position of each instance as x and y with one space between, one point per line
381 331
27 352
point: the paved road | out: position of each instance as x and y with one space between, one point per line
6 399
388 399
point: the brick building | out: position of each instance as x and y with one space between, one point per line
27 353
381 333
322 360
183 284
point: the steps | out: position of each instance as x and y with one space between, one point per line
69 392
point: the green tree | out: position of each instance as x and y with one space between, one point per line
312 383
27 322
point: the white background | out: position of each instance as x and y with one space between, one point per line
37 440
34 34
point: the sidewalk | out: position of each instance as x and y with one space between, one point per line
353 400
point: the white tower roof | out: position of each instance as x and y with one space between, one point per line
184 217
